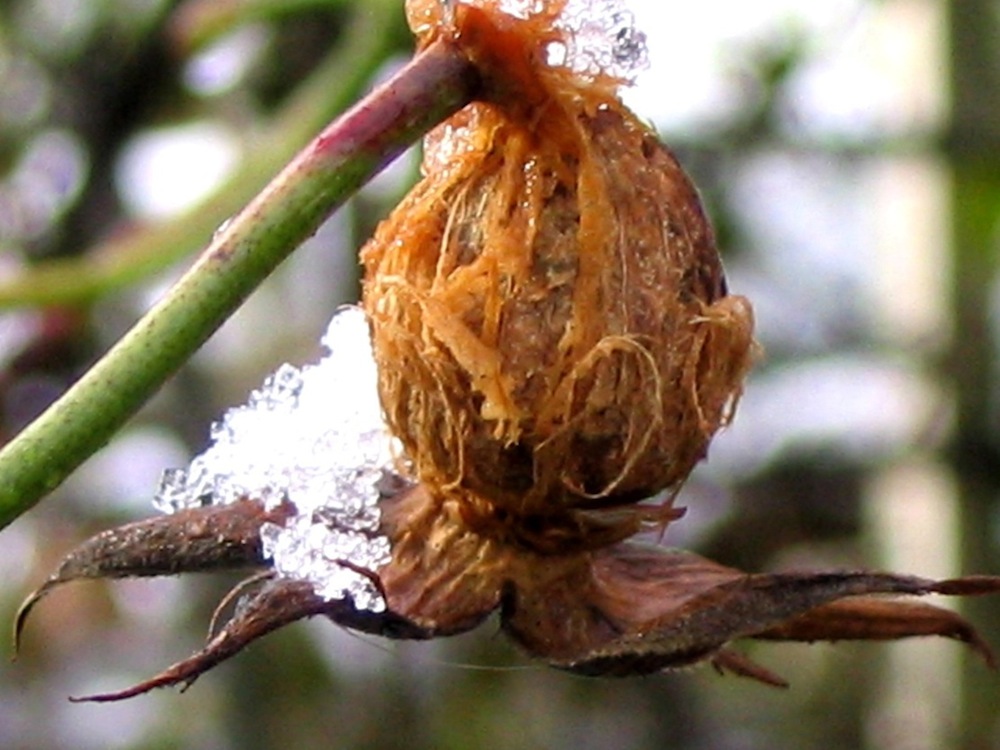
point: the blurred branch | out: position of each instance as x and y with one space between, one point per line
137 254
973 359
198 23
290 209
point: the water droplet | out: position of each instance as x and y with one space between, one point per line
222 228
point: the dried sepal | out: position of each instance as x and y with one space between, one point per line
444 575
622 610
636 610
278 603
730 661
235 596
197 539
207 539
867 619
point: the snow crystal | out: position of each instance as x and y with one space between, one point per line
315 437
600 36
603 38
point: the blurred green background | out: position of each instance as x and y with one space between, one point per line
849 153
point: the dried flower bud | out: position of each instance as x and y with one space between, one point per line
549 311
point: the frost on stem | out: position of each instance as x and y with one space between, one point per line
313 437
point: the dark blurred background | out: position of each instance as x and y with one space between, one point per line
849 153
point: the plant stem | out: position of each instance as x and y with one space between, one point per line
291 208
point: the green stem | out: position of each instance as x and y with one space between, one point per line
290 209
132 257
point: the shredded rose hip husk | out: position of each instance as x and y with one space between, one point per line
549 312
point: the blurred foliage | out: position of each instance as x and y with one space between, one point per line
82 80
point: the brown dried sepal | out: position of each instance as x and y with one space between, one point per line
277 603
212 538
623 610
193 540
633 609
549 312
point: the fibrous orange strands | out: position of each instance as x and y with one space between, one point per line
549 312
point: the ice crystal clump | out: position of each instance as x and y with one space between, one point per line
603 39
316 438
519 8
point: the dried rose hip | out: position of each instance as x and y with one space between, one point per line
550 316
